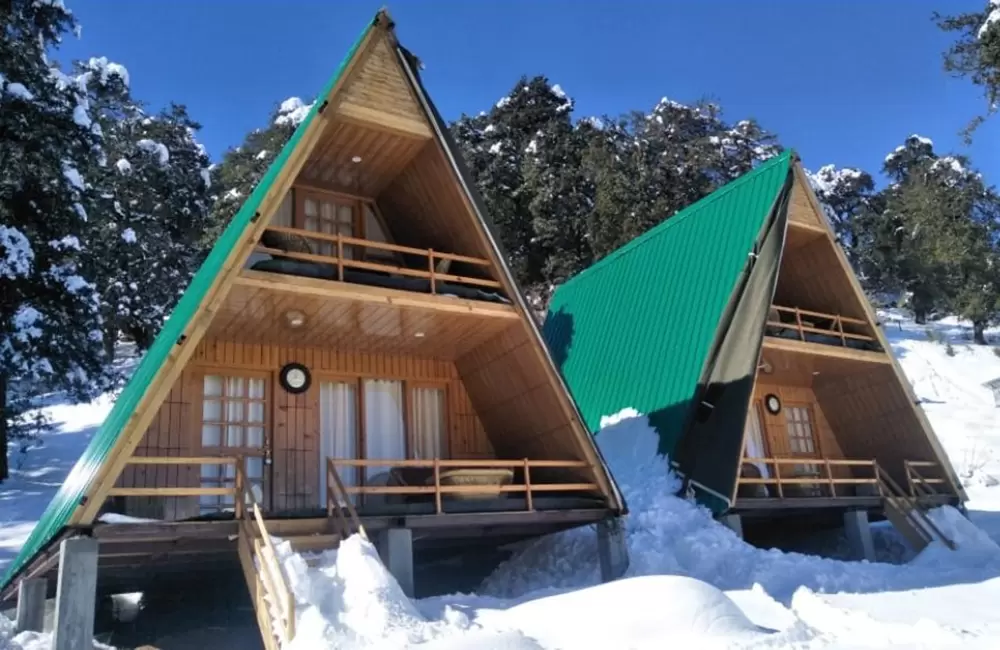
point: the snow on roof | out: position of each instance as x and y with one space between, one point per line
292 111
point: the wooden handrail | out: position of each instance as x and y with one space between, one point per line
529 487
824 473
911 508
197 491
258 543
337 493
341 261
836 330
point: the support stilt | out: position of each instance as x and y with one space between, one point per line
76 594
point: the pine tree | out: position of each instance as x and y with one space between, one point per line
976 53
242 167
50 330
849 200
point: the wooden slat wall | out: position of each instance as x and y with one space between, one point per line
775 426
873 418
800 208
380 85
517 404
811 277
295 439
168 435
293 419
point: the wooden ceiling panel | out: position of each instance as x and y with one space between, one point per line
359 159
793 363
255 314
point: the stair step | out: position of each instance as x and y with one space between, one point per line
314 543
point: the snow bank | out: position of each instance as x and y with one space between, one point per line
350 600
668 535
29 640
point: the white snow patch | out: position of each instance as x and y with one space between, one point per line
81 117
496 147
921 139
158 149
129 236
123 166
292 111
503 101
558 91
16 255
72 174
18 90
262 155
991 18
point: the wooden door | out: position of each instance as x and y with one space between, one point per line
800 427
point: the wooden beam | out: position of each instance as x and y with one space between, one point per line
363 293
822 350
173 366
382 121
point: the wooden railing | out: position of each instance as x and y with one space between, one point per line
273 595
905 511
193 491
835 329
337 494
918 484
528 487
828 480
432 258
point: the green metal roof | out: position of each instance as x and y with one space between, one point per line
79 482
635 328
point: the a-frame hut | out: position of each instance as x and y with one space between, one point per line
739 327
354 352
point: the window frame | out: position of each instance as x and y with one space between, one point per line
810 422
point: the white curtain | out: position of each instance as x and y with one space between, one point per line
338 417
385 432
755 441
428 423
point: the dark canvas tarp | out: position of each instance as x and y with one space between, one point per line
710 448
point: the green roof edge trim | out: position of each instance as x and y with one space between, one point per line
79 480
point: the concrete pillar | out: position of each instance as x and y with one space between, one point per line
859 534
395 547
76 594
733 522
31 605
612 550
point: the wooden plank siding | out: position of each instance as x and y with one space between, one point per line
292 421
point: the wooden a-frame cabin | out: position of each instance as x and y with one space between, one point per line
354 353
740 329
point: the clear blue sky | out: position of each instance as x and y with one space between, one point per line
841 81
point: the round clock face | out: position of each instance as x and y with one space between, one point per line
295 378
773 403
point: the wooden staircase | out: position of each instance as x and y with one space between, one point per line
272 596
908 515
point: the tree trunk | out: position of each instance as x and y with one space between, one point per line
919 315
979 332
4 468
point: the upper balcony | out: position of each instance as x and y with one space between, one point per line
817 332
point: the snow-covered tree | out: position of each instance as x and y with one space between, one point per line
242 167
976 53
849 199
50 328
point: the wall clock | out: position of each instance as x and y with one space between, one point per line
294 378
772 404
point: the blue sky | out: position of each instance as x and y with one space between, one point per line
842 81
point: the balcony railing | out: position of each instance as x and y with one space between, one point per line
818 327
817 474
428 267
446 478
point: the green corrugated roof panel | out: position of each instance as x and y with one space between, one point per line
58 513
635 328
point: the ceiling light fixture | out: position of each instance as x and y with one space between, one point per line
295 318
356 159
419 335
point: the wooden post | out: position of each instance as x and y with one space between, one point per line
31 605
340 258
430 262
777 477
76 594
527 486
840 328
437 484
798 322
829 477
238 497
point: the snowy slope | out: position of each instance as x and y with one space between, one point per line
691 580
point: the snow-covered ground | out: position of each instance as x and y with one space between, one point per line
691 581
